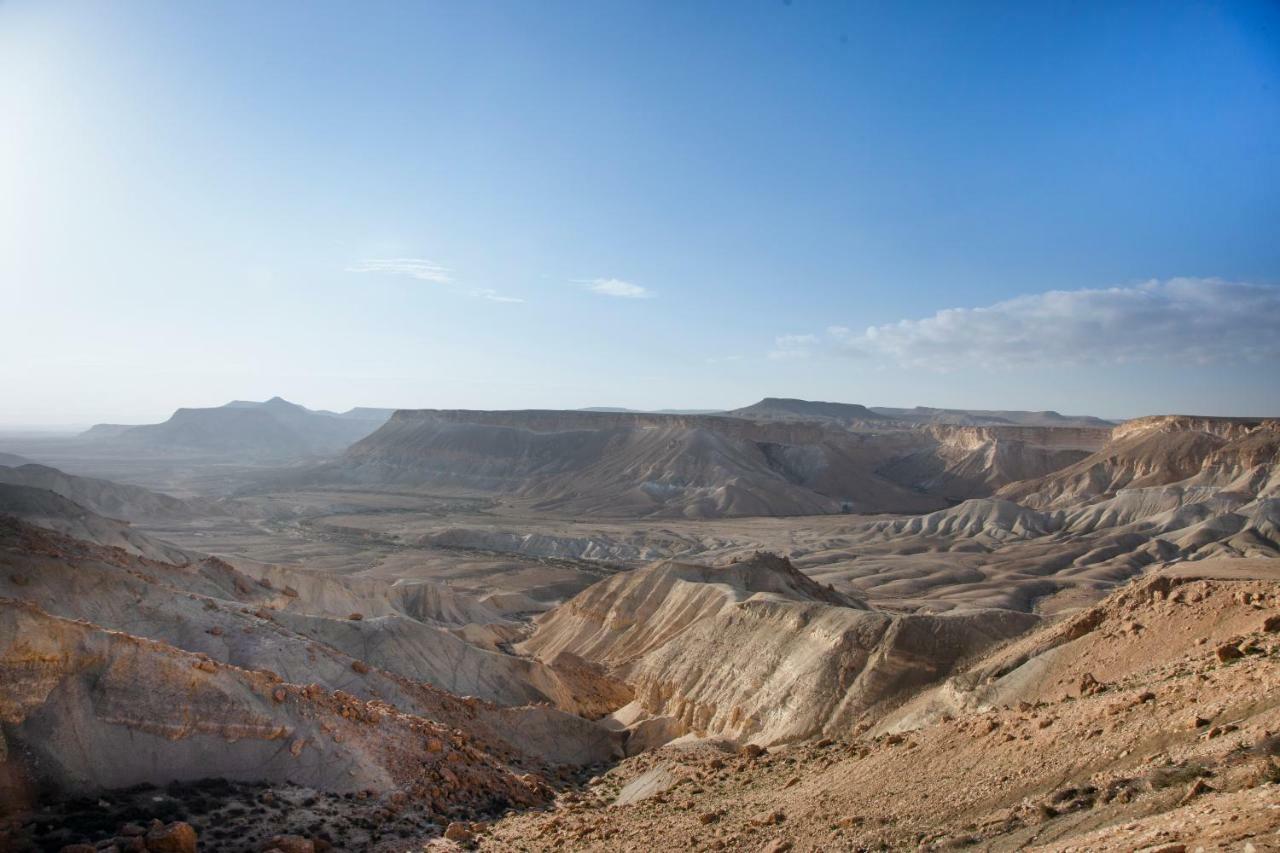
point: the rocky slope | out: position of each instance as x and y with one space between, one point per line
1148 722
755 650
780 457
599 463
961 462
121 669
104 497
410 634
1157 451
50 510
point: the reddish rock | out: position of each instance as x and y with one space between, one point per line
458 832
176 837
292 844
1228 652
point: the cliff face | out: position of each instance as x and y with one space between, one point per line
963 462
635 464
1228 428
1087 439
86 709
630 464
1160 451
126 669
756 650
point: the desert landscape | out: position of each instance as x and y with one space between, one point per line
790 626
788 426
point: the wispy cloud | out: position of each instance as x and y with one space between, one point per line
617 287
418 268
793 346
1181 320
424 270
494 296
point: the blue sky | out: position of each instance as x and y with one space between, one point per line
552 204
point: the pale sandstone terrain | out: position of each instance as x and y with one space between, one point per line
466 613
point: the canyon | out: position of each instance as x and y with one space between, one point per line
807 625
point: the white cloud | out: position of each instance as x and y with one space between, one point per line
793 346
617 287
424 270
494 296
418 268
1187 320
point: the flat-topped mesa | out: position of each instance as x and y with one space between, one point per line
790 409
639 464
992 417
557 420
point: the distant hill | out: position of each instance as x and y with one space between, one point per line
984 417
636 464
274 428
624 410
788 409
114 500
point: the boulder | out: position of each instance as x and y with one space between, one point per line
176 837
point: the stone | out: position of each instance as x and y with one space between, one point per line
458 832
1089 685
1228 652
176 837
292 844
1197 788
770 818
777 845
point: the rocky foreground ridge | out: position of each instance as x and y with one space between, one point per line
1149 722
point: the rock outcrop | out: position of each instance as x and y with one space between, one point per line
757 651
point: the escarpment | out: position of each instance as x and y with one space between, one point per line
756 651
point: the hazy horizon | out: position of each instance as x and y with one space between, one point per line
72 426
513 206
